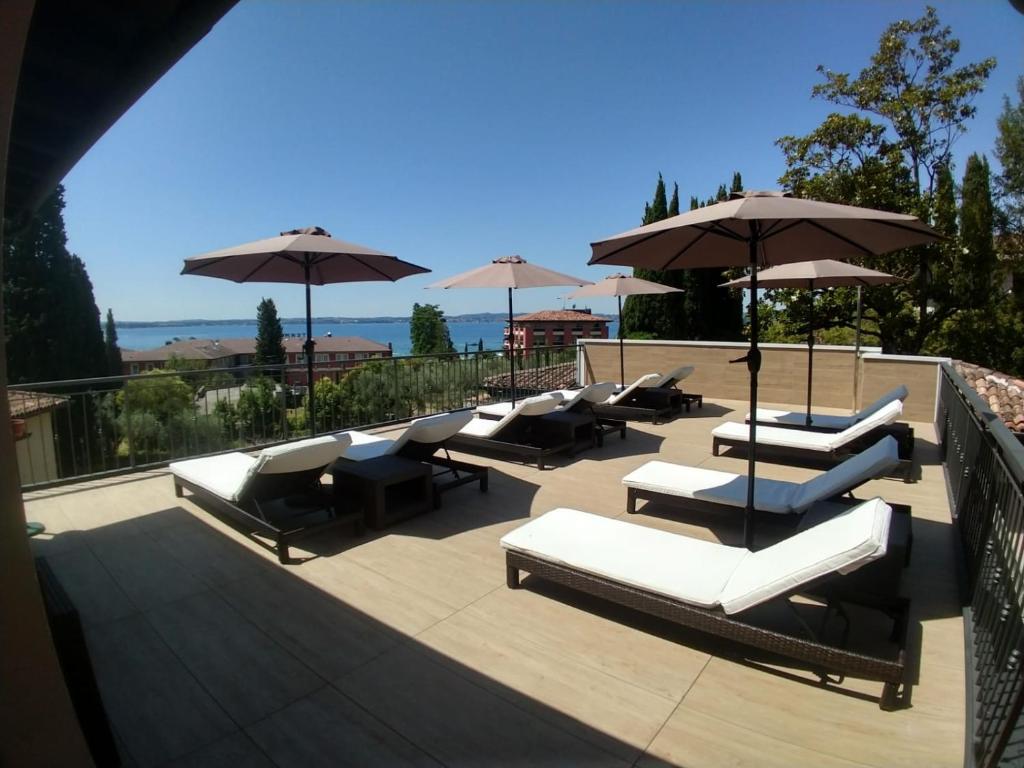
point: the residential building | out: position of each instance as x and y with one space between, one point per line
35 446
333 353
556 328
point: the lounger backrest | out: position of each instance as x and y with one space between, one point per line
859 468
839 545
301 455
531 406
672 377
592 393
432 429
644 381
898 393
884 415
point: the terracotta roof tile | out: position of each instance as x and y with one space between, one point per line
25 404
561 315
1003 393
216 349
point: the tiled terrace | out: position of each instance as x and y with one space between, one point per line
406 647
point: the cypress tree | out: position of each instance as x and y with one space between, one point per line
269 335
976 226
114 366
428 331
53 324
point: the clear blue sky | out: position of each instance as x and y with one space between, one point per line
448 133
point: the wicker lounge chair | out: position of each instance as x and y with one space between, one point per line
521 432
633 404
572 401
817 447
276 493
710 490
904 433
421 441
711 587
671 381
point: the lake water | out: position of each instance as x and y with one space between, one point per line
397 333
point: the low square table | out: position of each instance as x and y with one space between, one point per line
389 488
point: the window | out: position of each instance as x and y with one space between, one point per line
322 357
135 368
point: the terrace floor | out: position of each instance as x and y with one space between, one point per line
406 647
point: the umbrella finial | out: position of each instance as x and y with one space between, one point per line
308 231
745 193
509 260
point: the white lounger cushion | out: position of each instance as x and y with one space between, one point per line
836 423
568 398
228 475
531 406
778 496
678 374
811 441
645 381
692 570
428 429
704 573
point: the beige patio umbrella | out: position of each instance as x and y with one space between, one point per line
810 275
760 229
509 272
309 256
622 285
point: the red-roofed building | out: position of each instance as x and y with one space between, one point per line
332 353
556 328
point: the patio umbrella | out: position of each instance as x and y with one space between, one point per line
619 286
826 273
509 272
309 256
760 229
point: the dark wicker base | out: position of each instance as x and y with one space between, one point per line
822 658
633 413
787 455
522 451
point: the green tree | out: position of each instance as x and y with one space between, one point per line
114 365
269 335
909 105
53 325
428 331
1010 185
260 409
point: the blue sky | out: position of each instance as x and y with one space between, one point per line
449 133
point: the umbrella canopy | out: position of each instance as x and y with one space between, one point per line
810 275
308 256
509 272
760 229
619 285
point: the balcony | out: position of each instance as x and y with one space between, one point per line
405 646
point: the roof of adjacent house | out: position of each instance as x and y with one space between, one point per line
1003 393
24 404
562 316
216 349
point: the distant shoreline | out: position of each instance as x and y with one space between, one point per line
480 317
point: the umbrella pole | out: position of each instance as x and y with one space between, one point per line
512 347
753 365
308 346
622 359
810 351
856 350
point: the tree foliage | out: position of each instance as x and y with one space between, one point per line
114 364
428 331
892 151
53 325
703 310
269 335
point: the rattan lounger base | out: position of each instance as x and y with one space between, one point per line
283 529
522 451
788 454
633 413
823 658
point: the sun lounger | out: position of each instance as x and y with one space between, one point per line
275 493
521 432
712 587
572 401
826 423
633 404
421 441
827 447
710 490
670 381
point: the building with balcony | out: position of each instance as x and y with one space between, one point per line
556 328
333 353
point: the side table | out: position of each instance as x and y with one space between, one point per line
388 488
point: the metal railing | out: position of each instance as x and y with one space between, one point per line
124 423
985 472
